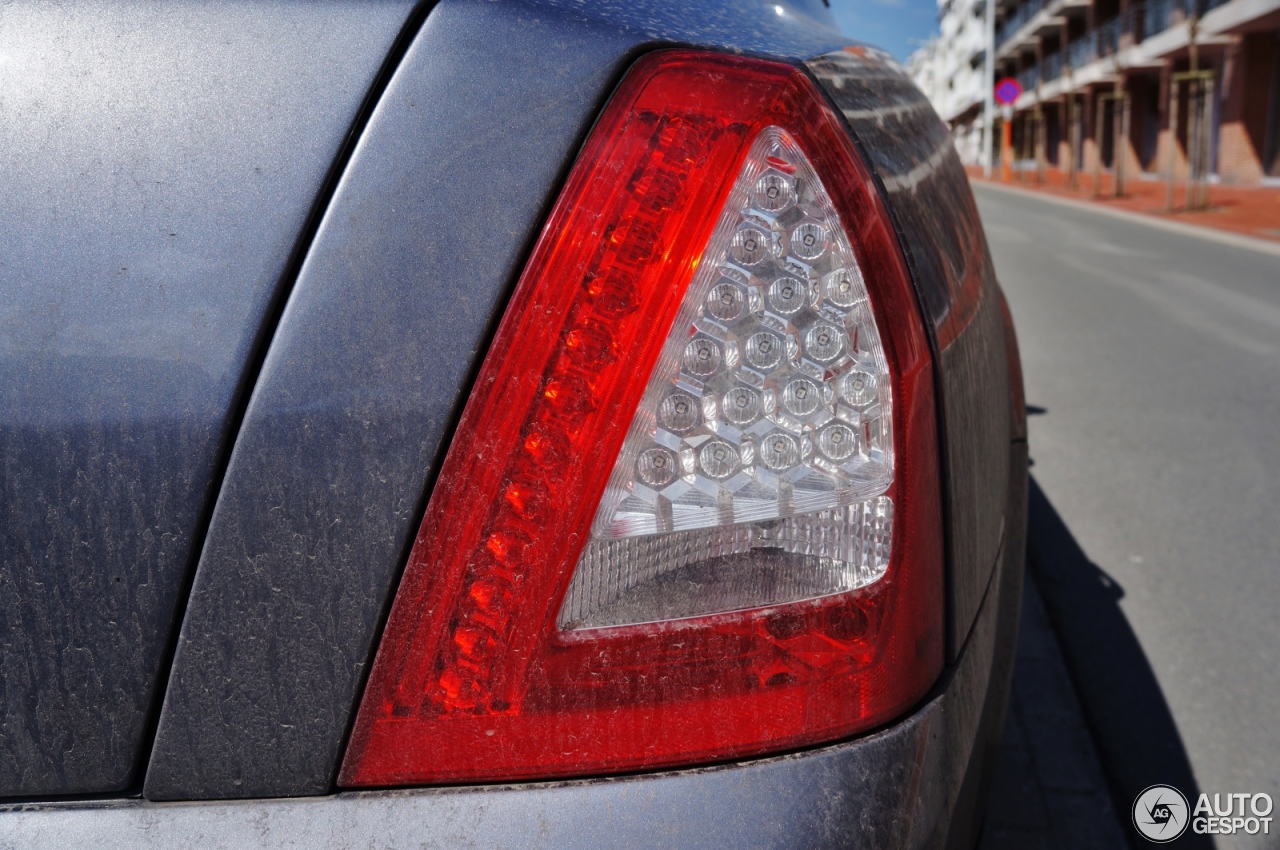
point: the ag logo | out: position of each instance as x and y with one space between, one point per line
1160 813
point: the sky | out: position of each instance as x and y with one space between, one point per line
898 26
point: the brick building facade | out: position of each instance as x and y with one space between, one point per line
1087 64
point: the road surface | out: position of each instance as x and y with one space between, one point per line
1152 367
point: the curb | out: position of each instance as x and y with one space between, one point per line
1223 237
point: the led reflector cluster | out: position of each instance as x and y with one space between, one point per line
765 425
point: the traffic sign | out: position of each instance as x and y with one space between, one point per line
1007 91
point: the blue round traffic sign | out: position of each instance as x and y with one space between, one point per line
1007 91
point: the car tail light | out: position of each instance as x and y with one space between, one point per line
691 511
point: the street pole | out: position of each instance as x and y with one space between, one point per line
1199 127
1006 145
989 104
1073 131
1100 119
1121 144
1174 85
1119 100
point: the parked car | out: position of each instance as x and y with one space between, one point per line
510 424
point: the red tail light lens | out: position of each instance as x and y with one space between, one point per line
713 372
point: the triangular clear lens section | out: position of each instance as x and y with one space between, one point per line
753 472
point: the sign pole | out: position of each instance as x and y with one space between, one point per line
1006 92
989 77
1006 144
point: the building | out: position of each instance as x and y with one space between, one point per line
949 70
1100 79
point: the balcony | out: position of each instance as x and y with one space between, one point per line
1020 16
1090 59
1083 50
1158 15
1142 21
1052 67
1029 78
1108 35
1155 16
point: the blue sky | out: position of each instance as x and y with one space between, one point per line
899 26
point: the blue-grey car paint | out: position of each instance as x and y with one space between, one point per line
158 163
393 307
928 195
285 622
983 452
901 787
237 721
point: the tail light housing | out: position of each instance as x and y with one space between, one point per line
691 511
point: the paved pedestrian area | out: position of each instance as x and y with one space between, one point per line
1250 212
1049 792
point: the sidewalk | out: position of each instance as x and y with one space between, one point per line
1048 791
1251 212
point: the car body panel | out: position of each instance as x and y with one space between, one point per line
160 164
393 308
375 350
978 417
928 195
899 787
396 297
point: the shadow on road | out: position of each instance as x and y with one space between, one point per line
1133 729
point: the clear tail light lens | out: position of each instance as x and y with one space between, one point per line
755 468
691 511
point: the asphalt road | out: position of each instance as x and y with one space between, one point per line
1152 368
